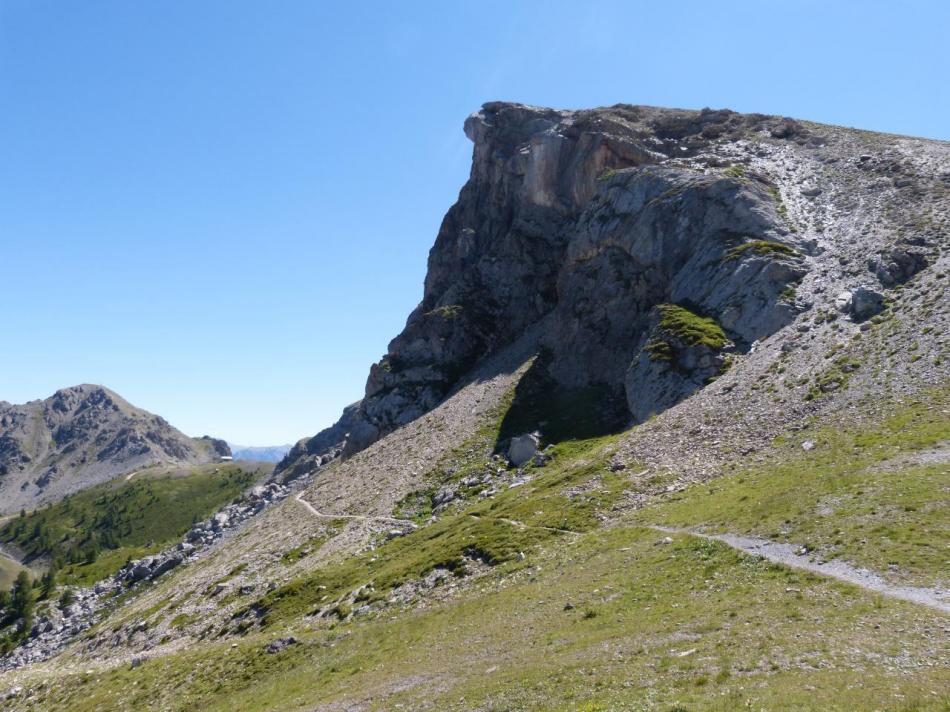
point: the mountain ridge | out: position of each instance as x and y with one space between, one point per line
260 453
83 435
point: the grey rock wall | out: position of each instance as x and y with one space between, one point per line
583 221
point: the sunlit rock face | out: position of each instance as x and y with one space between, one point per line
576 224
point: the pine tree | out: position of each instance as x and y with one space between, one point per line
49 584
22 603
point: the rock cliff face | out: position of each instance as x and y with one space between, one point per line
577 225
81 436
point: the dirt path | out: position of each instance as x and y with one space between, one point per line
786 554
299 498
131 475
512 522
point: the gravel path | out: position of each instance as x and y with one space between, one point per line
299 498
787 554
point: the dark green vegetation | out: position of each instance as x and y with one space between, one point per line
16 612
89 535
876 495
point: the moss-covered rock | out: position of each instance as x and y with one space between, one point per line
682 352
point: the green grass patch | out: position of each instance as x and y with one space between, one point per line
866 494
312 544
416 506
689 328
181 620
449 311
834 378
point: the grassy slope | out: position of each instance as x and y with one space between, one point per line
871 496
125 519
690 625
478 530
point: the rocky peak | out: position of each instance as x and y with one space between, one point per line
81 436
575 227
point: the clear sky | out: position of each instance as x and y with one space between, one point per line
222 209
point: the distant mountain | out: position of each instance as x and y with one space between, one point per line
81 436
271 453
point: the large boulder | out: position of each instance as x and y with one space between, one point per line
167 565
522 448
898 264
866 303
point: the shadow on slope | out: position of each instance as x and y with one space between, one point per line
559 413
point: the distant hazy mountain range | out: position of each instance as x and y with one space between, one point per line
271 453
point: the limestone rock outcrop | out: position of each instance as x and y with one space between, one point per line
577 224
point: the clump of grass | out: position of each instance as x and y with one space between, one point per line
781 208
416 505
660 350
180 621
689 328
833 379
736 171
762 248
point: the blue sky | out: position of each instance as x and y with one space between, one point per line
222 209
